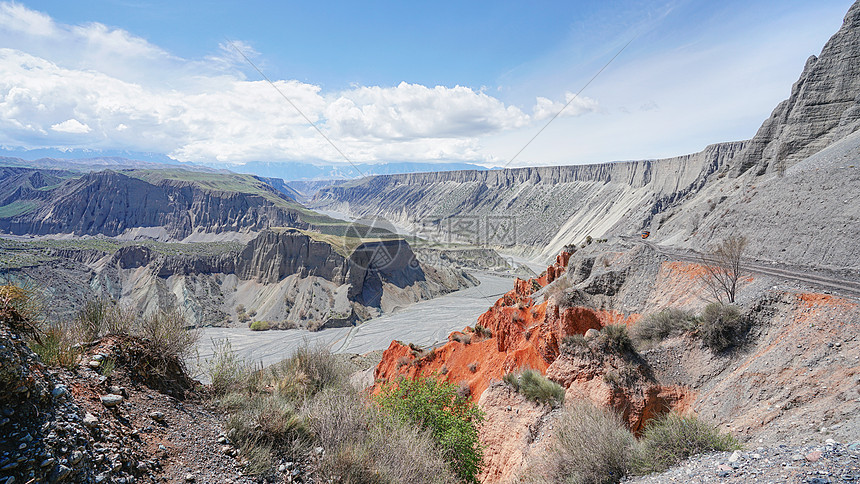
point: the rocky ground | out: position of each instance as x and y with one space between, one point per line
826 462
101 421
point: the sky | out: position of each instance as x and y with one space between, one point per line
496 83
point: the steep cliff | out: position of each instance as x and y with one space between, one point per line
530 208
170 206
284 277
790 189
823 107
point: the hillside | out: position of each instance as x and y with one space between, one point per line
161 204
286 277
790 188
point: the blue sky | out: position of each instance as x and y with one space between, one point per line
400 81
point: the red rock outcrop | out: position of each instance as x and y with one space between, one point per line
514 333
517 332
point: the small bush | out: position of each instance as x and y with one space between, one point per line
57 346
653 328
226 371
166 335
590 445
306 372
574 341
259 326
264 426
451 420
483 332
365 445
615 336
24 298
473 367
100 317
721 326
536 387
462 338
672 438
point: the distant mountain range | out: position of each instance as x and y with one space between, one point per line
95 160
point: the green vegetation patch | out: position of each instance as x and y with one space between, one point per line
536 387
18 207
438 407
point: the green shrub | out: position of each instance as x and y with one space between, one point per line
574 341
721 326
672 438
100 317
590 445
653 328
226 371
25 299
306 372
615 337
462 338
451 420
260 326
57 346
265 426
536 387
167 339
483 332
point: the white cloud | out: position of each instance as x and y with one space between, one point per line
410 111
114 90
72 126
18 18
572 106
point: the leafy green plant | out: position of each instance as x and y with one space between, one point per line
536 387
260 326
451 420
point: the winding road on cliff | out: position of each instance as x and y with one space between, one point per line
806 276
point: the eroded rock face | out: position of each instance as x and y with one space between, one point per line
823 107
111 203
517 332
511 424
284 277
618 379
526 328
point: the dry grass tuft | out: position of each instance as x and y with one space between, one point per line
590 445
